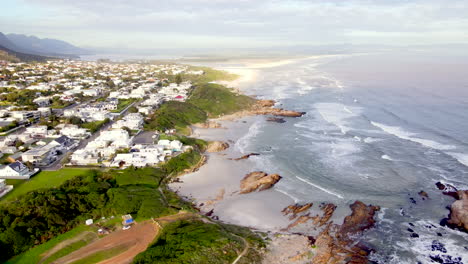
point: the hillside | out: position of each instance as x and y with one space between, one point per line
24 56
45 46
7 57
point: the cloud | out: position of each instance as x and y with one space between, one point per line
215 23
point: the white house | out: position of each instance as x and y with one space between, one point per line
16 170
37 131
42 101
84 157
73 131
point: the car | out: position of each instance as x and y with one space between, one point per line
126 227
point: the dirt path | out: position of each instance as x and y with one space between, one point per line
65 243
136 239
247 246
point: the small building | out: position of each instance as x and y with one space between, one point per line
127 220
89 222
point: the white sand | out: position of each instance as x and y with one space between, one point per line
261 210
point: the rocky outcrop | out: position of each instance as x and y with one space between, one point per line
276 120
277 112
300 220
296 209
328 210
258 181
361 218
336 244
208 124
447 189
459 211
247 156
217 146
265 103
423 195
265 107
458 217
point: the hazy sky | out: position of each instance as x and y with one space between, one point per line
238 23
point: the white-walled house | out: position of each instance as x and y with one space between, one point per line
16 170
42 101
36 131
4 189
73 131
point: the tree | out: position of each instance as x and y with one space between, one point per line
19 143
75 120
133 109
178 79
29 165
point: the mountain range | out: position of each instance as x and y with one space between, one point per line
31 47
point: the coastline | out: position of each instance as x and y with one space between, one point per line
257 210
298 231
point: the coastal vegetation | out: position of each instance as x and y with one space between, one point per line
176 115
216 99
206 100
194 242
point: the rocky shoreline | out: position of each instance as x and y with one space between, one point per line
333 243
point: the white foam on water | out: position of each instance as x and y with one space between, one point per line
347 109
342 148
403 134
243 143
296 200
422 246
321 188
371 140
335 113
386 157
461 157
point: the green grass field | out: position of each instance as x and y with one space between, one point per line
34 254
145 176
44 179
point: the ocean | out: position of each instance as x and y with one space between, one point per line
379 128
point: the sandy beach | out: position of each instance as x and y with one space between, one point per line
215 185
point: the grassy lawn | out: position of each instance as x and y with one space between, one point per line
122 104
34 254
44 179
95 126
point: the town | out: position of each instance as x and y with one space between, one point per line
77 113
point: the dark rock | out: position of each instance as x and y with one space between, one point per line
437 246
448 189
439 234
210 213
412 200
276 120
423 195
247 156
410 230
414 235
446 259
